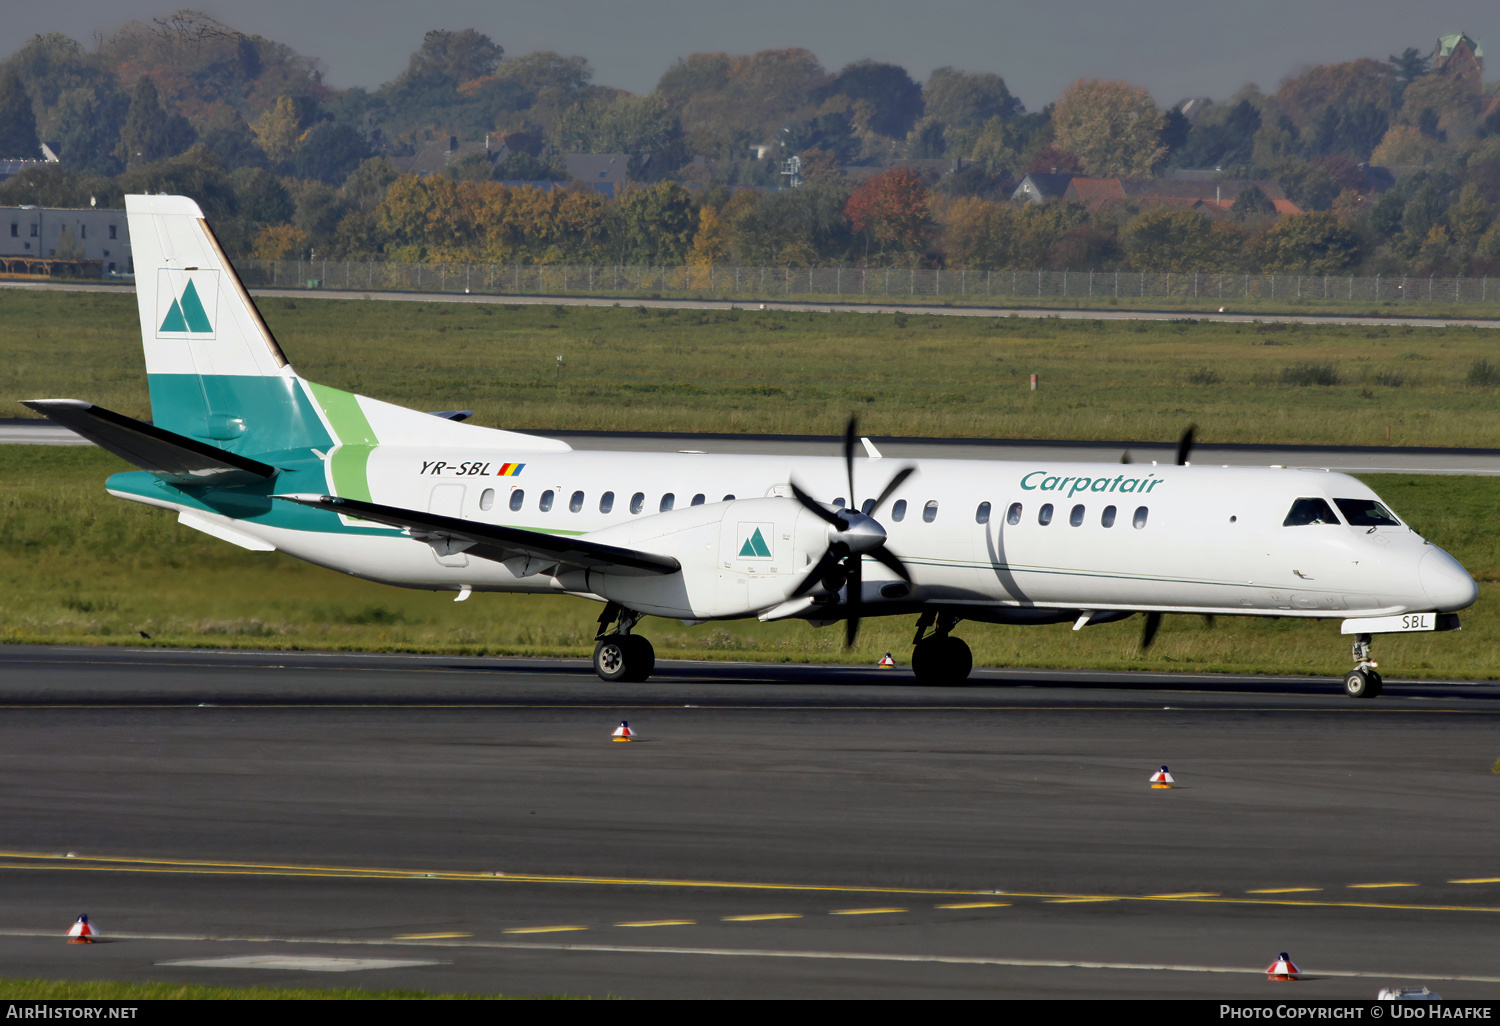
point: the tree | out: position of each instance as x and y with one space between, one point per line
329 153
1224 137
895 101
1250 204
150 133
892 211
1114 128
457 56
1317 243
962 100
1168 240
1410 66
658 223
279 129
261 197
18 138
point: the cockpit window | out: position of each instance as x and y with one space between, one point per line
1366 513
1309 511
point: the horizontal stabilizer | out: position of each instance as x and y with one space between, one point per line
490 541
168 455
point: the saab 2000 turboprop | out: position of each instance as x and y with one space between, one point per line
248 451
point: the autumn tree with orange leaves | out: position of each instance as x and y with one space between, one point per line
893 212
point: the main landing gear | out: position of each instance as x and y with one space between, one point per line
939 658
621 655
1362 681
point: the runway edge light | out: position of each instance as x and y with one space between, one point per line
1162 780
886 662
623 732
1282 969
81 933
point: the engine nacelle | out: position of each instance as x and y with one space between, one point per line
739 558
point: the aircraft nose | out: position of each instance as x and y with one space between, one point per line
1447 584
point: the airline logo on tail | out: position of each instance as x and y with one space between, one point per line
187 303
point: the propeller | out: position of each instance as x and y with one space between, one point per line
1153 620
1185 445
855 534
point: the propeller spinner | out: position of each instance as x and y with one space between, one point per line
853 535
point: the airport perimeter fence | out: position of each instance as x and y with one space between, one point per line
853 285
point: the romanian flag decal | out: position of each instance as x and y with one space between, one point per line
510 469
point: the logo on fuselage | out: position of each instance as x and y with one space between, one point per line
754 541
187 303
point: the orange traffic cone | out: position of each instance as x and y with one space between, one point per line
1282 969
1161 779
886 662
81 933
623 732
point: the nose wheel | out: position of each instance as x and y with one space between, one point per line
939 658
1362 681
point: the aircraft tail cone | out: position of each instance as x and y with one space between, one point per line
1162 780
886 662
623 732
82 932
1282 969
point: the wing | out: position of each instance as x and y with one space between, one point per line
490 541
166 454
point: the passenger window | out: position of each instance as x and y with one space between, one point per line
898 511
697 500
1366 513
517 497
606 502
637 502
929 511
1014 516
1309 511
839 503
487 499
982 514
728 498
867 507
546 501
1076 517
667 501
1044 515
1108 517
1139 520
576 502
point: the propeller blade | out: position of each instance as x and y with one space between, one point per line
816 507
901 475
856 582
890 560
821 567
1185 444
1125 456
849 439
1153 624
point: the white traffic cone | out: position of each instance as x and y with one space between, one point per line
623 732
82 932
1162 780
886 662
1282 969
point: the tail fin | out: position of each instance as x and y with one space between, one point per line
214 368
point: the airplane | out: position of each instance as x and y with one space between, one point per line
244 449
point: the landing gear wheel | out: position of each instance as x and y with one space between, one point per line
612 657
640 658
1362 684
941 660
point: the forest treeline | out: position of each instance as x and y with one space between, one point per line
893 172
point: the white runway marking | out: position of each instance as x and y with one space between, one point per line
308 963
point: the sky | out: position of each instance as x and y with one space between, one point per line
1175 48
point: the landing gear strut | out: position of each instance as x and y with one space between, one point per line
939 658
1362 681
621 655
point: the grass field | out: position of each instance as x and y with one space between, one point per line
79 567
776 372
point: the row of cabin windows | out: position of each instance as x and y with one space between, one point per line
576 500
898 511
83 231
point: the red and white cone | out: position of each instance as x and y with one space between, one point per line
623 732
81 933
886 662
1161 779
1282 969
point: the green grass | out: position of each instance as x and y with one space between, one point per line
79 567
780 372
74 990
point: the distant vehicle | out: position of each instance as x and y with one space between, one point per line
245 449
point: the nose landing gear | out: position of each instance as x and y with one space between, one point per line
939 658
1362 681
622 656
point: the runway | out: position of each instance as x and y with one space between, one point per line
456 824
1349 459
